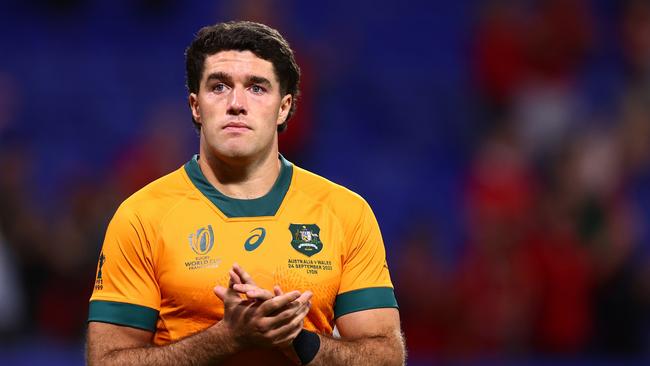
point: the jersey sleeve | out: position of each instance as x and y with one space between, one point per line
126 291
365 282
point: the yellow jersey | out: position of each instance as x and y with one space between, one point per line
173 241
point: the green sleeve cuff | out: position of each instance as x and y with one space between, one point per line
121 313
364 299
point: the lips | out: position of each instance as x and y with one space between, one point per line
236 125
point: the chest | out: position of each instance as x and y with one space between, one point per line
300 249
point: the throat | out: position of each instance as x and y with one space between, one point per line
241 181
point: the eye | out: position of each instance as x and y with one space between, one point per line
257 89
220 87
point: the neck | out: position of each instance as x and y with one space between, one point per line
241 178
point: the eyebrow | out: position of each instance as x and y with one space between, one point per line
253 79
250 79
219 76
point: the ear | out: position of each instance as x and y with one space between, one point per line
285 107
194 107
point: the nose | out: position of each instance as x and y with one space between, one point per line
237 102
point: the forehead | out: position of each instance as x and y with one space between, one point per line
238 64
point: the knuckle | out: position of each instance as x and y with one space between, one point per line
260 327
271 304
268 336
297 322
285 316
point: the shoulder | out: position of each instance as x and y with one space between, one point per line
155 199
335 196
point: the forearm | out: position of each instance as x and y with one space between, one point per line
376 350
210 346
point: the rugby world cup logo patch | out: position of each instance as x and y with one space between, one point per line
202 241
305 238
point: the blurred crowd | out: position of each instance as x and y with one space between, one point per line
49 255
556 260
554 256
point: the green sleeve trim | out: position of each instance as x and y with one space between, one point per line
121 313
364 299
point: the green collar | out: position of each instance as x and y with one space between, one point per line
266 205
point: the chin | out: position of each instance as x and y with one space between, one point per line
235 152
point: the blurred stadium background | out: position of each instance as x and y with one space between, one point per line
504 146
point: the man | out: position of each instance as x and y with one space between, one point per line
313 249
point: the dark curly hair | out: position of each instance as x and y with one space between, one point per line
264 41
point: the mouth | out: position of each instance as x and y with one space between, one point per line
236 126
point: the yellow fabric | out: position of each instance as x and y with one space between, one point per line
152 253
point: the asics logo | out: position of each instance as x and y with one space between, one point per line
256 239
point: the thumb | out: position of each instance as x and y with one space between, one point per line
221 293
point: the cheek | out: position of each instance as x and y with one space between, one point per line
211 104
270 109
265 102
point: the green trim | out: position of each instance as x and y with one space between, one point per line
364 299
122 313
266 205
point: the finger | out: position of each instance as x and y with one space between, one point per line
283 316
221 293
278 302
277 290
305 297
259 295
234 278
301 305
243 275
253 292
242 288
226 295
303 300
234 281
287 341
289 330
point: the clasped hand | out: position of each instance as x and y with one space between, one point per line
261 318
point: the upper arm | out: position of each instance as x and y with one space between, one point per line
377 329
104 338
365 279
365 306
123 310
126 290
369 323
